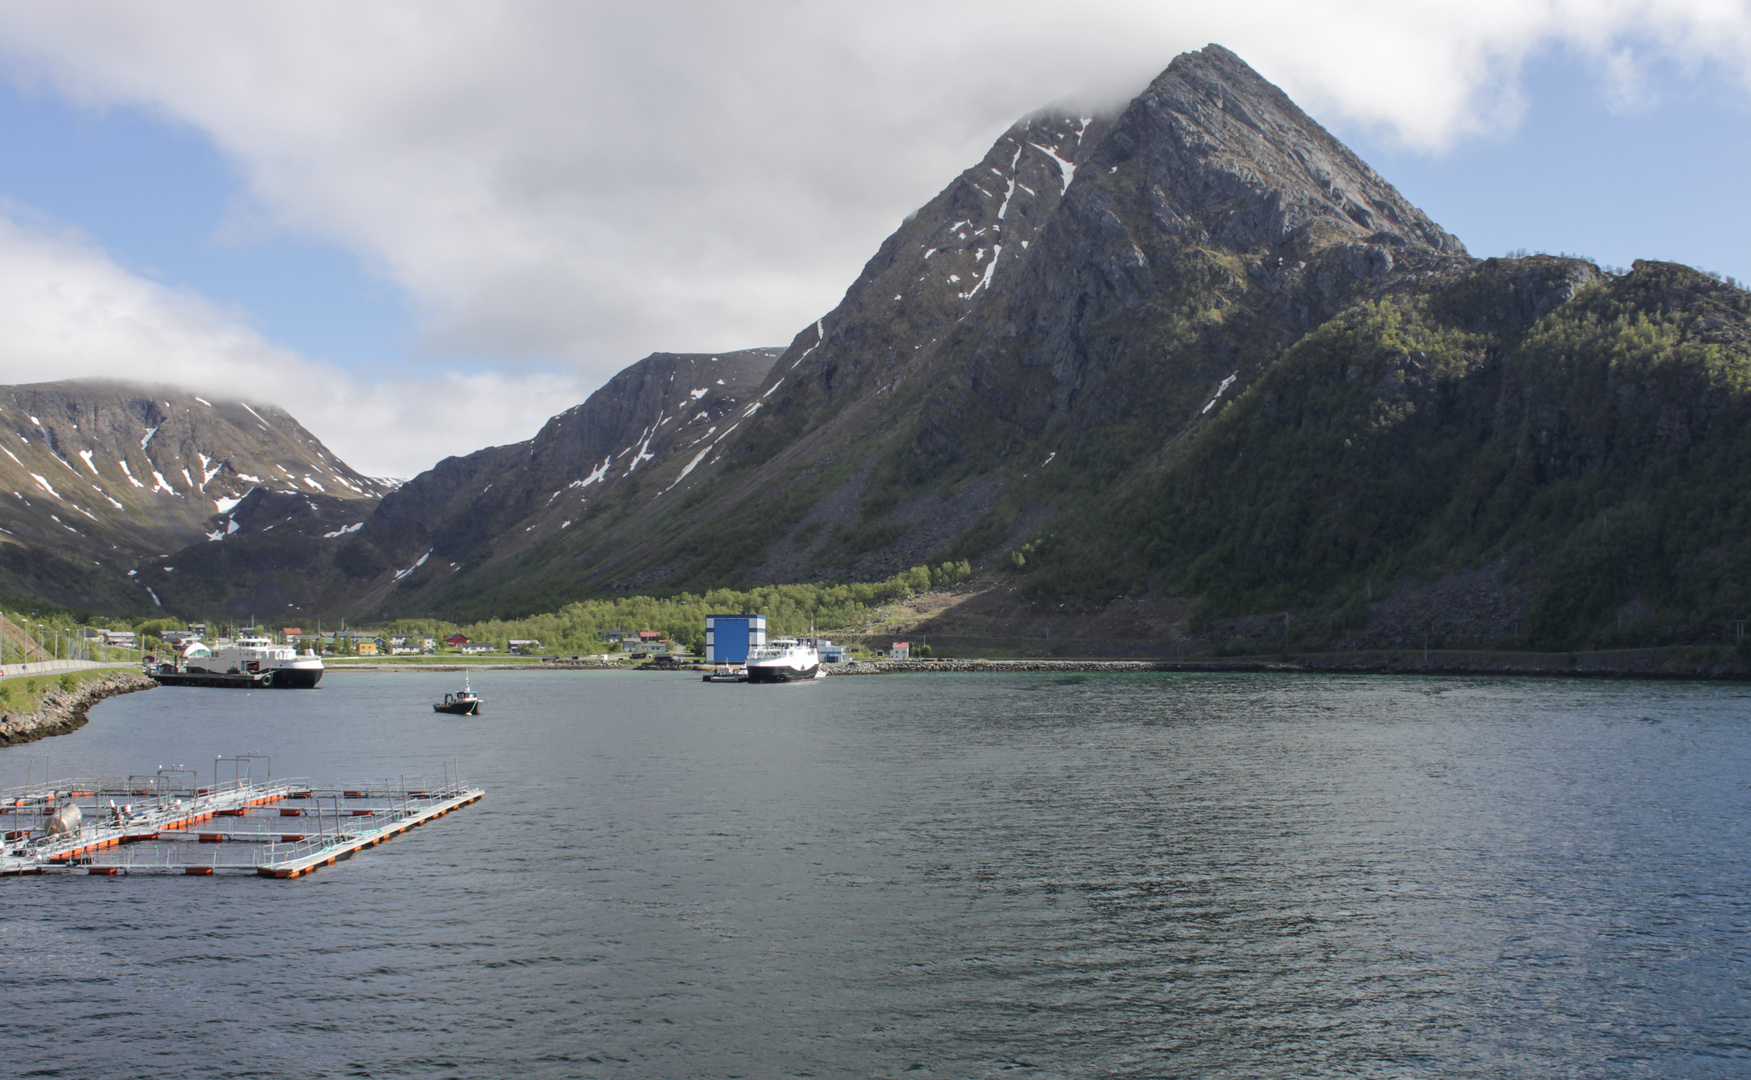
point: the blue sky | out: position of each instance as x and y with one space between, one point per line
163 200
1663 180
378 216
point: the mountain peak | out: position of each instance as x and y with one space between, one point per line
1225 157
1094 278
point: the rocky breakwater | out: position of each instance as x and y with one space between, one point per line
889 667
61 711
1677 662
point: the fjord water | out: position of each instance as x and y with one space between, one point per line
932 875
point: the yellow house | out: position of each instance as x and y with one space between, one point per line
367 648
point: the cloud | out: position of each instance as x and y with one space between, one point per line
579 183
68 311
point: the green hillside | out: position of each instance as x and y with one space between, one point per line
1602 450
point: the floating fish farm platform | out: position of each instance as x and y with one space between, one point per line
162 823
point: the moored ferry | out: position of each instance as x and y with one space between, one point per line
279 666
784 660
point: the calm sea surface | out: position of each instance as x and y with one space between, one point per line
934 876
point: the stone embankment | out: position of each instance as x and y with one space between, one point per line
62 711
1705 662
890 667
546 665
1676 663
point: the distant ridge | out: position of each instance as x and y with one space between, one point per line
98 474
430 532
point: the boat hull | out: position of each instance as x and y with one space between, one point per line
271 679
459 708
221 680
268 678
294 678
780 673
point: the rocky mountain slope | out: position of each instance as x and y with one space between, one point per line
1530 452
1091 284
1194 349
97 476
426 538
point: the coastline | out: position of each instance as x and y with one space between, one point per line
61 711
1650 664
1706 663
379 668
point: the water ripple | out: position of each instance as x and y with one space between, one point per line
936 876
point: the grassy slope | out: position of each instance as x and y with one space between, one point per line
25 693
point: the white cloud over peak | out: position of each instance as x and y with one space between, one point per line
585 183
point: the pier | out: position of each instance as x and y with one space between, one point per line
166 823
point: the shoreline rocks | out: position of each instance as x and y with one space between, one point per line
61 712
1678 662
1709 664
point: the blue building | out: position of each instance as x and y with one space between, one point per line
729 637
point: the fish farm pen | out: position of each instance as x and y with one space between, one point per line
166 822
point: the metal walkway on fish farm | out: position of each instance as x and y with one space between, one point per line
167 823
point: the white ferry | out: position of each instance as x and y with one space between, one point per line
282 666
784 660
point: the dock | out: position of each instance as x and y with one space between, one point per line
164 823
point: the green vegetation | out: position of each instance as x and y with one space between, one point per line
26 694
789 610
44 632
1605 446
1323 467
580 627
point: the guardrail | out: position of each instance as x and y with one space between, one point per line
38 667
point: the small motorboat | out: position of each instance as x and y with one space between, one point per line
464 702
726 673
